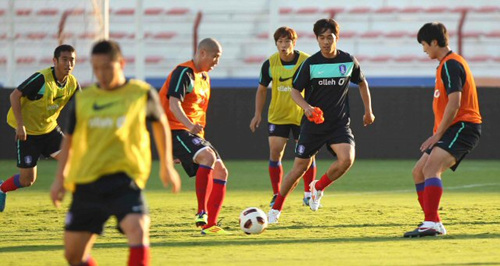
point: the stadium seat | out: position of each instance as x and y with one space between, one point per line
2 12
487 9
472 34
386 10
153 59
347 34
124 12
307 11
262 35
25 60
405 58
75 11
47 12
3 60
360 10
255 59
436 9
154 11
380 58
286 10
493 34
411 10
334 11
119 35
130 60
306 34
371 34
65 35
46 61
3 36
460 9
88 35
36 35
24 12
166 35
424 59
398 34
496 59
478 58
178 11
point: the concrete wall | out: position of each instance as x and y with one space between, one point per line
403 121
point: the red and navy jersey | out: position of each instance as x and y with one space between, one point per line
326 84
453 75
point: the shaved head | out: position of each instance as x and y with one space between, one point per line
209 45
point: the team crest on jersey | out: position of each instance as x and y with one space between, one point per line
301 149
28 160
197 141
343 69
437 94
272 128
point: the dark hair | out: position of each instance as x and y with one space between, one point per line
285 32
433 31
108 47
63 48
325 24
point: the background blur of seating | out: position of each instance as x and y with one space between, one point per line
381 34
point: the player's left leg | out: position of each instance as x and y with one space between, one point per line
345 158
77 247
276 149
309 177
216 199
419 179
136 229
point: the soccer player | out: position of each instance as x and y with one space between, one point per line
457 125
284 114
325 78
35 107
106 158
184 96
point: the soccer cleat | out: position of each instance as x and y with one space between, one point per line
201 219
3 197
273 200
273 216
315 196
305 201
214 230
427 229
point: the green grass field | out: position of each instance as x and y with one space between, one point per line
361 222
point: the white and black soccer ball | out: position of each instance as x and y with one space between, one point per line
253 221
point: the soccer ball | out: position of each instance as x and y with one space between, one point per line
253 221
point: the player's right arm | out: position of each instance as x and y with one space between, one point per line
28 88
260 96
301 80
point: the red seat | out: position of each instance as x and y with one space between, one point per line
81 59
360 10
347 34
460 9
124 12
472 34
65 35
362 58
88 35
164 35
3 60
25 60
262 35
130 60
306 34
119 35
154 11
436 9
405 58
381 58
411 9
23 12
493 34
178 11
2 12
334 10
153 59
255 59
75 11
424 59
386 10
47 12
496 59
36 35
286 10
3 36
397 34
371 34
487 9
479 58
307 10
46 61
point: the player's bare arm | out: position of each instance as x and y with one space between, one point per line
163 141
450 112
57 191
15 102
260 100
300 101
368 117
176 108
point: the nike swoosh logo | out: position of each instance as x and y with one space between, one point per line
103 106
57 97
284 79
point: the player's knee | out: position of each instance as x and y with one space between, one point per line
346 163
73 258
206 157
222 174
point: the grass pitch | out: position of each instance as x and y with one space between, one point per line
361 222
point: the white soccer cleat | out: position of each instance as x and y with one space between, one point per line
273 216
440 228
315 196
